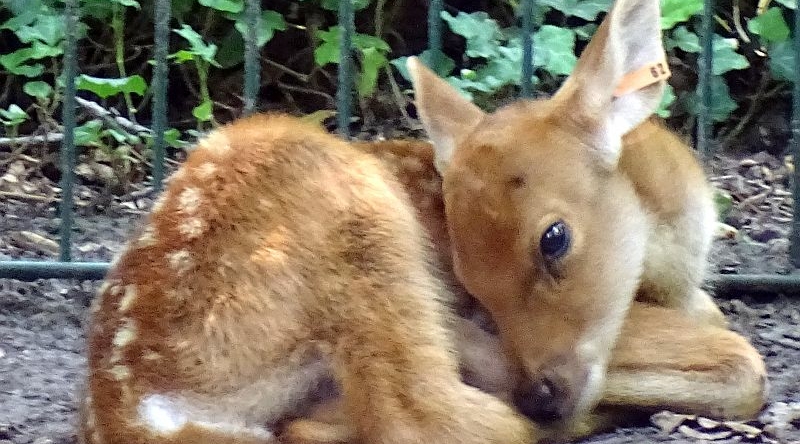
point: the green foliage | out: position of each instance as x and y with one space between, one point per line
106 88
372 50
493 52
207 45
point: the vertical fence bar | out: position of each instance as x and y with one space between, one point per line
435 28
252 67
344 91
526 10
68 118
794 249
163 13
704 81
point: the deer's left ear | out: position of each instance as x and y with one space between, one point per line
620 77
445 114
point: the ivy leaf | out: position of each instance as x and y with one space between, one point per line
782 63
437 61
479 30
234 6
500 71
722 105
725 56
14 115
684 39
791 4
270 22
678 11
89 134
372 61
333 5
128 3
203 112
38 89
328 50
197 47
15 62
770 25
554 49
667 100
585 9
105 88
173 138
49 29
24 13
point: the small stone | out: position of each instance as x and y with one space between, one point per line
707 423
668 421
43 440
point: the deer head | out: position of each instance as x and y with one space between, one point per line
546 231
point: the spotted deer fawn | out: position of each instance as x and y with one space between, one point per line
280 256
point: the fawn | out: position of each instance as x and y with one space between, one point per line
280 256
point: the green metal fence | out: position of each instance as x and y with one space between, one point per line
67 269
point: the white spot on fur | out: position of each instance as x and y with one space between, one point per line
103 288
189 200
125 335
160 414
166 415
237 430
148 238
412 164
205 170
120 372
180 261
127 298
192 227
116 356
216 142
158 205
115 260
150 355
91 420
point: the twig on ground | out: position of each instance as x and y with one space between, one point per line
27 197
25 140
98 111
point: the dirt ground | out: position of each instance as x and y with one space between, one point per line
41 323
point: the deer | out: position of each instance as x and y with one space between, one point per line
281 259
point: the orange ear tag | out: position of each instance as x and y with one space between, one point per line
643 77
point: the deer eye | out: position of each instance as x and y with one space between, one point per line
555 241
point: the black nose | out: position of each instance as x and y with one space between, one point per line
541 401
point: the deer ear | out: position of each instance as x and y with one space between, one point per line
620 77
445 113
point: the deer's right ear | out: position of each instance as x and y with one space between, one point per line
445 113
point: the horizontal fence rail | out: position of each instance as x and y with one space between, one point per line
27 270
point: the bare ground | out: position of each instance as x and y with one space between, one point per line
41 323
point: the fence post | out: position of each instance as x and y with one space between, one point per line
344 91
526 10
163 13
706 64
794 249
252 67
68 117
